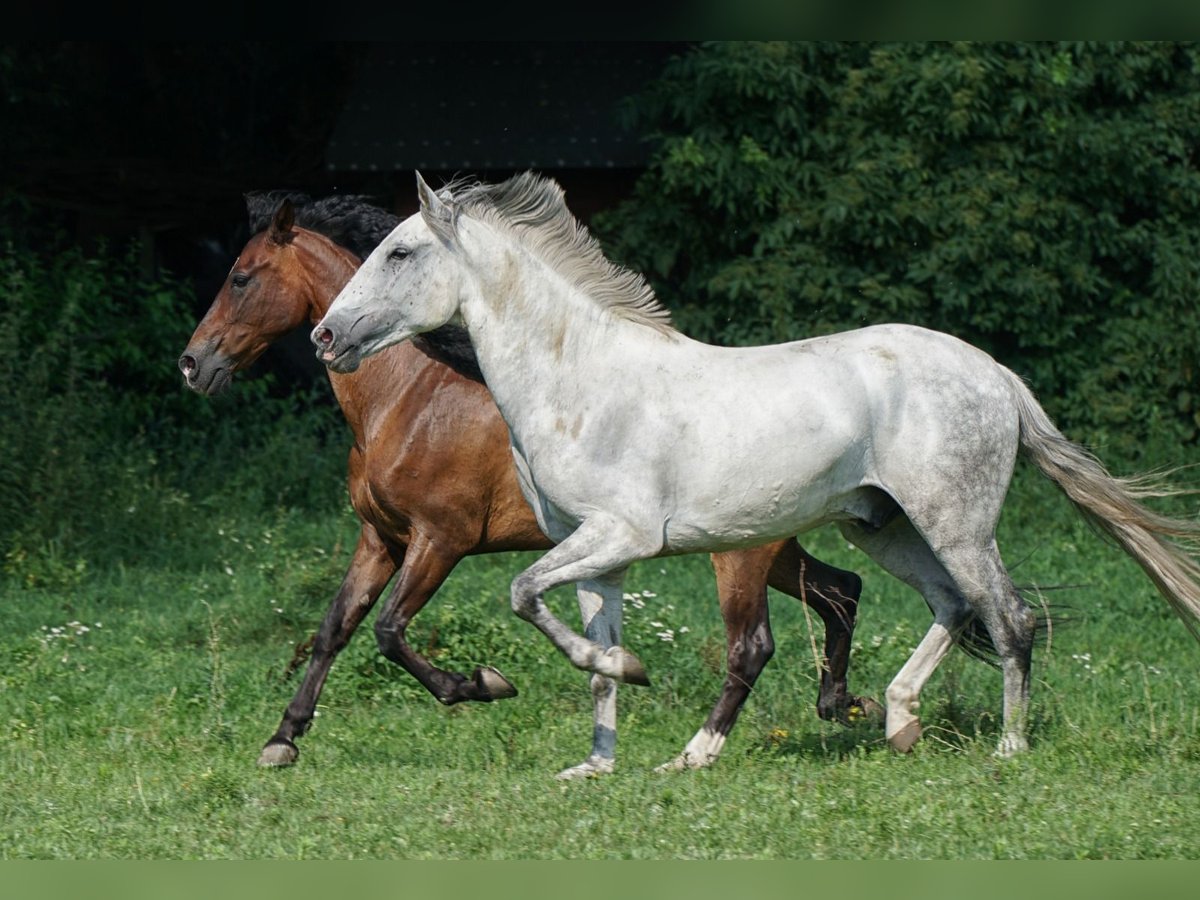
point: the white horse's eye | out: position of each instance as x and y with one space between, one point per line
399 253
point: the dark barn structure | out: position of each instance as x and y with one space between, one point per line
490 110
158 142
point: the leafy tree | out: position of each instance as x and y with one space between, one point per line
1039 200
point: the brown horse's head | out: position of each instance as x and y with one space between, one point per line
270 290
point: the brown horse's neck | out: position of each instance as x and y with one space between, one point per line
326 268
371 394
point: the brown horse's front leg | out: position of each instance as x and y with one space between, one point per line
424 570
369 572
833 593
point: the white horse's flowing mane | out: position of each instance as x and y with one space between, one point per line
531 209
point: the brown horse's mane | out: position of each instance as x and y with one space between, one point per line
354 222
349 220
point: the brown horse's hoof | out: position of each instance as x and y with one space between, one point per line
277 754
904 739
863 711
492 685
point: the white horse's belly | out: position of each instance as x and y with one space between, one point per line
746 524
796 486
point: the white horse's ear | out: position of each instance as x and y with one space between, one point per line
437 210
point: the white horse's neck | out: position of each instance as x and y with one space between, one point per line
536 334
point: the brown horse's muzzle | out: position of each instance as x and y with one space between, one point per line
206 371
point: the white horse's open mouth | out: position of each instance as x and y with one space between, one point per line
342 361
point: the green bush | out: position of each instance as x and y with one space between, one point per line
1039 200
103 453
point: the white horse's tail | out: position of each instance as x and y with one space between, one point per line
1111 505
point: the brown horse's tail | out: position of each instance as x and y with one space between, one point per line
1160 544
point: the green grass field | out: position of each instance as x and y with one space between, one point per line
135 696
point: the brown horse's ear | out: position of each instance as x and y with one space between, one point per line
282 222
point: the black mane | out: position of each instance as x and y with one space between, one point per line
353 222
349 220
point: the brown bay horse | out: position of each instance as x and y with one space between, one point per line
432 480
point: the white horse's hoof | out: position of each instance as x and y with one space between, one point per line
1011 745
593 767
903 739
622 665
278 754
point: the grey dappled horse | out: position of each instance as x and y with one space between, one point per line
632 440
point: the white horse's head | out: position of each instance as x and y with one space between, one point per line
407 286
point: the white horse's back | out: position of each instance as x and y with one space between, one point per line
718 435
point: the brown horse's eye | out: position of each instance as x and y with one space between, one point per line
240 280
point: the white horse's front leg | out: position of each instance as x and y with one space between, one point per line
600 609
602 760
597 548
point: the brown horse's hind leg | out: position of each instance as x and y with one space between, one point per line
742 588
833 594
424 570
369 572
742 580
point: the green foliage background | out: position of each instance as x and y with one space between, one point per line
106 460
1038 200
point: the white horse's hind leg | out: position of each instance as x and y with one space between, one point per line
903 727
900 549
1011 624
600 609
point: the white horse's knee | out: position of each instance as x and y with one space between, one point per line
524 597
603 687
